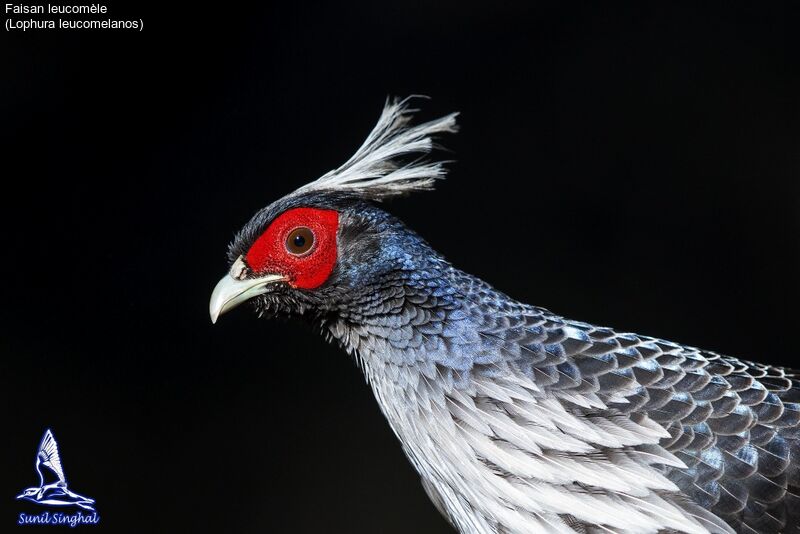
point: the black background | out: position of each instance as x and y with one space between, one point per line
630 166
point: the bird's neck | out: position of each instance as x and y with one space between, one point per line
419 322
425 346
418 337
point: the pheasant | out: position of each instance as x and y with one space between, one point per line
516 419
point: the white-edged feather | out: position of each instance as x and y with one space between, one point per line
375 171
48 455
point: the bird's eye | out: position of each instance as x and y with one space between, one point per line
300 241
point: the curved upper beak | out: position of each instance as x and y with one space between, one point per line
234 289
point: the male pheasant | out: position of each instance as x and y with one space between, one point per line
517 419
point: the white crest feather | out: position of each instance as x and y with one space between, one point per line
374 171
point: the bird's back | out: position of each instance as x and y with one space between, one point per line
597 421
733 423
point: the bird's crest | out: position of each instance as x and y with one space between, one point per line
379 169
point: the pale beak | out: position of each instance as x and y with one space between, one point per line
234 289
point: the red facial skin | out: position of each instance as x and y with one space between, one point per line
269 254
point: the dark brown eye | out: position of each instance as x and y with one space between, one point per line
300 241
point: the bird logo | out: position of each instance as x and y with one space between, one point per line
55 493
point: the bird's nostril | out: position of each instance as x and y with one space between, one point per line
238 269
